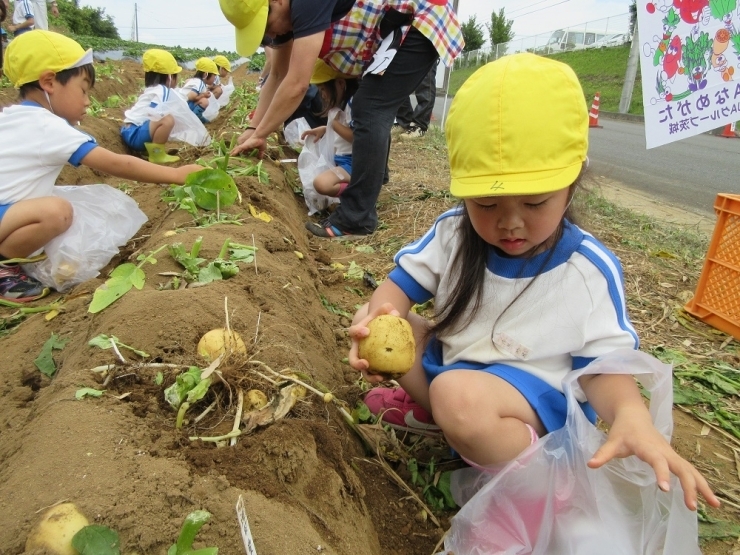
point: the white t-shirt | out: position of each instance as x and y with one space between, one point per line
150 98
192 85
573 312
41 144
342 147
23 11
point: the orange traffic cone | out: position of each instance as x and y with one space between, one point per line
593 115
729 131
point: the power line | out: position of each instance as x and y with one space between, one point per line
196 27
543 8
528 6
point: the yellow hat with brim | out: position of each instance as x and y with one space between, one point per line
160 61
207 65
323 72
517 126
222 61
35 52
250 19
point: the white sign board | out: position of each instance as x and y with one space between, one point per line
241 515
689 55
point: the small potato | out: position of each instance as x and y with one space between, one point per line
257 399
390 348
216 342
56 529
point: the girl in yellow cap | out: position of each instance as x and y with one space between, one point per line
336 94
139 132
195 90
224 70
523 296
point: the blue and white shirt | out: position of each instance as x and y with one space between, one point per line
23 11
152 97
573 312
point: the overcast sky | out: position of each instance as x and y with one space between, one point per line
200 23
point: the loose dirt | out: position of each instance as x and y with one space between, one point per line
308 483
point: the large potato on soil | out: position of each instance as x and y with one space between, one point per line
390 348
216 342
56 530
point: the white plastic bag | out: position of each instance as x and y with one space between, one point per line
211 112
188 128
294 130
547 501
315 158
104 220
226 90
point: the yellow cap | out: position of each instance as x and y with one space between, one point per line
323 72
35 52
250 19
160 61
517 126
222 61
207 65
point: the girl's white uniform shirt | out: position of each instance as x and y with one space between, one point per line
573 312
342 147
41 145
193 84
150 98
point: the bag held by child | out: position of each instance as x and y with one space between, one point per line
104 220
548 501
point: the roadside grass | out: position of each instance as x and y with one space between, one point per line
598 69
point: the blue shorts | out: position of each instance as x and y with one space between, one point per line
548 402
198 110
4 209
136 135
344 161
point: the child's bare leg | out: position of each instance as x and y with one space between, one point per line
217 92
29 224
329 182
160 130
203 103
483 416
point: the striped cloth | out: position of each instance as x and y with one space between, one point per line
349 44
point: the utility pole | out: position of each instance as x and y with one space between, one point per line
136 22
631 74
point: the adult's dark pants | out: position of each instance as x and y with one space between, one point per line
425 95
374 107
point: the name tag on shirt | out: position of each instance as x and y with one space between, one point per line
507 343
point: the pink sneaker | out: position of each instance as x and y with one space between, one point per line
398 410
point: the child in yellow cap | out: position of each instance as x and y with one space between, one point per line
523 296
336 94
139 132
224 70
54 75
195 90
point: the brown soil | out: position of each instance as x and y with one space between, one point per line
308 483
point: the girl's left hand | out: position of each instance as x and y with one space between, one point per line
635 436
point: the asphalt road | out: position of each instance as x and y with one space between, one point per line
685 174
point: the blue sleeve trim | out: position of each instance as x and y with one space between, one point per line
153 104
582 362
419 244
81 152
409 285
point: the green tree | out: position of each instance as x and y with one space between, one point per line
472 32
85 20
633 16
499 30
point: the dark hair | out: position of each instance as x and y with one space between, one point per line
333 100
152 78
62 77
3 14
203 75
470 267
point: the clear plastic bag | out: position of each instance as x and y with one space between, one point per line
315 158
226 90
294 130
211 112
104 220
547 501
188 128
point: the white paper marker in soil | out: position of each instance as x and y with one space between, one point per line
241 515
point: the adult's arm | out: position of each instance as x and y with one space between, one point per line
292 66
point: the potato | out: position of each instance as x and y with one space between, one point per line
216 342
56 529
257 399
390 348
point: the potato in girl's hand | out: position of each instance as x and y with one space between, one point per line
390 348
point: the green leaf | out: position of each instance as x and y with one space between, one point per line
202 187
44 362
108 293
158 378
199 391
178 391
354 272
193 523
209 273
88 392
443 486
361 413
367 249
96 540
132 272
242 254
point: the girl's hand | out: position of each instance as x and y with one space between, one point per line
359 331
316 133
247 142
635 436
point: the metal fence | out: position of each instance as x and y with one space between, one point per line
610 31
